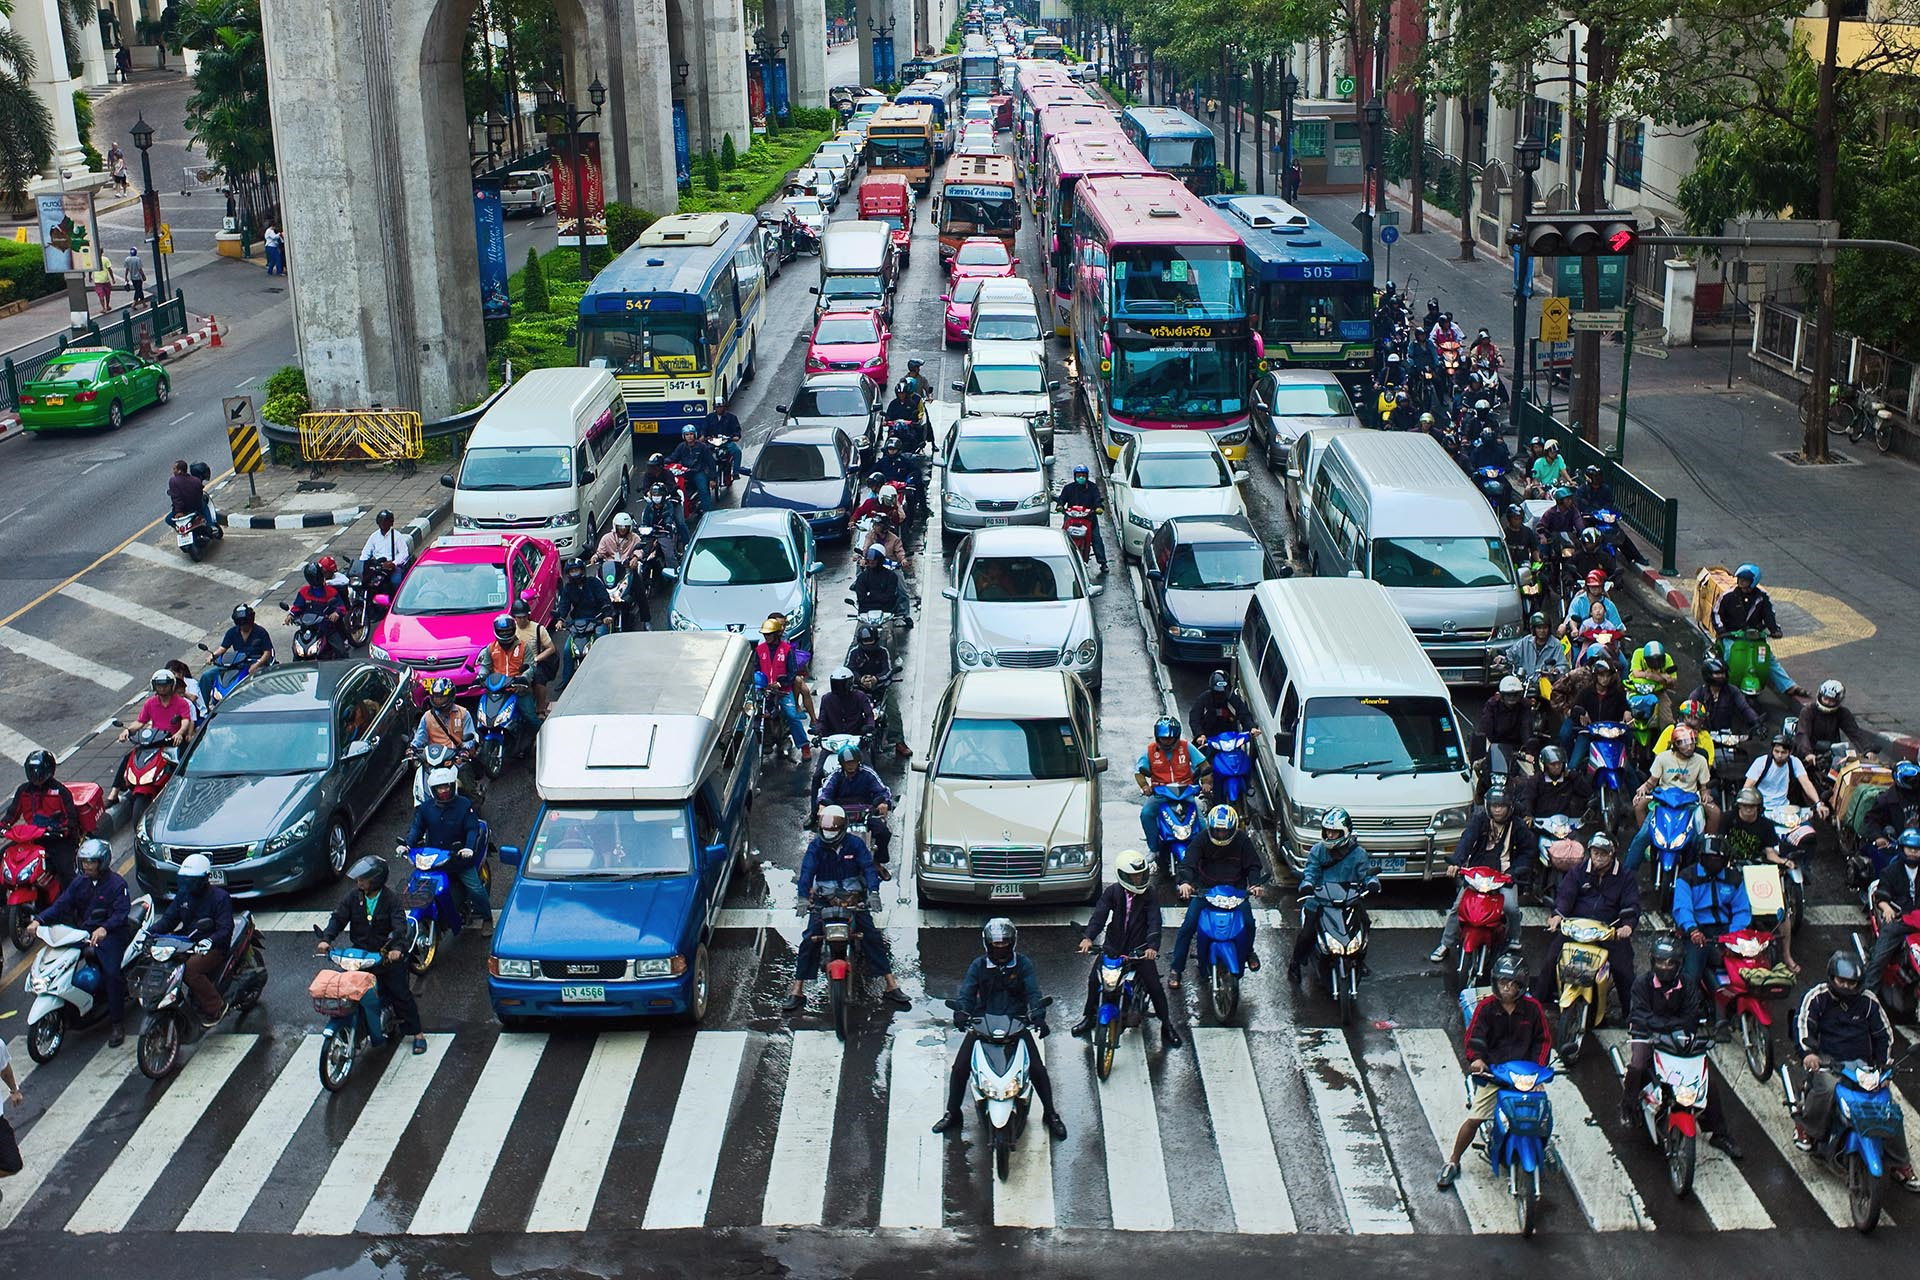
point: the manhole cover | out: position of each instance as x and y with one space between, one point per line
96 456
1795 458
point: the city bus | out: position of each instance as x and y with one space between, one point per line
901 139
978 197
676 318
1160 328
1026 116
1176 143
979 68
1071 157
1049 48
943 98
1311 293
1066 120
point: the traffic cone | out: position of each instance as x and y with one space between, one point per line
213 326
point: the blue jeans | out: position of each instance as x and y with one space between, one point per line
468 887
1150 821
1190 927
796 723
1776 675
702 488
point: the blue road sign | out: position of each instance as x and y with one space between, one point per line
1389 234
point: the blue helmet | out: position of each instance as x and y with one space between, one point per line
1166 727
1910 839
1748 571
1906 774
1641 706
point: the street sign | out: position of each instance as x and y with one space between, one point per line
166 237
1613 283
1389 234
1779 228
1598 321
1389 217
1344 86
243 438
1553 319
237 409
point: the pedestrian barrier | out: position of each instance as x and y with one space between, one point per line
1647 511
360 435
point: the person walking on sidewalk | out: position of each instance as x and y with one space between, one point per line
103 285
123 63
136 273
1293 182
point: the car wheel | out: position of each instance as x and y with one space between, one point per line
162 391
339 848
116 416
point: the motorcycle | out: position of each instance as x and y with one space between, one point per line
1748 978
1730 761
1677 820
839 904
1123 1005
1673 1101
1749 660
827 750
681 483
369 597
439 755
1231 755
68 985
577 637
505 734
230 670
149 766
1643 724
1001 1076
1864 1117
1559 850
340 996
1077 523
1179 818
433 905
28 874
618 579
889 626
313 639
1898 984
169 1018
764 709
1340 944
192 534
1492 482
1586 984
1483 924
1607 758
1517 1145
1219 931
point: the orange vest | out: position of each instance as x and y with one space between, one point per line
449 733
512 661
1169 770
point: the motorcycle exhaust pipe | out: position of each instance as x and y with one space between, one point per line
1619 1067
1786 1088
1859 949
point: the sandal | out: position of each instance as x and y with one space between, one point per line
419 1045
1173 981
1792 964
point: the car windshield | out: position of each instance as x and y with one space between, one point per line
1379 735
1016 326
1022 580
1311 400
81 371
517 467
988 454
1006 380
1441 562
852 287
437 587
1180 471
739 560
787 463
1010 750
965 288
609 844
829 402
240 744
983 253
839 329
1215 566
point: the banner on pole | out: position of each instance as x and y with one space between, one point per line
67 232
682 145
490 240
562 167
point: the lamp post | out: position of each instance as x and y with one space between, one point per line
1375 112
551 106
1527 156
1289 90
149 205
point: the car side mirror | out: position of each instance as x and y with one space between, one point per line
1153 573
1097 589
1100 764
714 851
918 766
954 385
1283 570
355 750
779 408
1355 573
815 567
814 290
1295 471
951 593
509 854
668 571
589 476
946 297
1241 477
447 480
529 595
572 335
1053 384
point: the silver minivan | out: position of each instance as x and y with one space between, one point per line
1393 507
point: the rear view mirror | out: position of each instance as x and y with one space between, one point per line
1097 589
447 480
954 385
715 851
1100 764
510 854
779 408
355 750
951 593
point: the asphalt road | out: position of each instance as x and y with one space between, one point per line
760 1143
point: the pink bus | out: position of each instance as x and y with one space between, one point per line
1066 120
1069 158
1027 109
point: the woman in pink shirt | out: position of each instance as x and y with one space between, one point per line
168 709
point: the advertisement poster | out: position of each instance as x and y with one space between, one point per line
682 146
757 78
490 239
561 166
780 102
67 232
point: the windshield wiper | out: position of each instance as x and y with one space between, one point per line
1360 767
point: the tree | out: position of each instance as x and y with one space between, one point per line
229 111
26 126
533 286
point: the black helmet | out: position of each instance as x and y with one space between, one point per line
1713 855
893 444
1536 619
875 479
1843 967
242 614
1217 682
1713 669
1550 756
40 765
1510 967
1666 956
656 459
383 516
523 608
999 939
314 575
371 867
915 364
575 565
865 636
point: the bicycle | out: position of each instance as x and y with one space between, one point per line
1843 409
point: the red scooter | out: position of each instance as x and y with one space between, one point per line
1899 983
25 871
1749 979
149 766
1077 522
682 478
1483 923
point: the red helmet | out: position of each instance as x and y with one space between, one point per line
328 565
1596 577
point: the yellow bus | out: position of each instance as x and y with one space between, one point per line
900 140
978 197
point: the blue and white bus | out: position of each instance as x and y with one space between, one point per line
676 318
1174 142
1312 294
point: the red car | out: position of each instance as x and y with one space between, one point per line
1002 111
959 309
443 613
982 256
850 342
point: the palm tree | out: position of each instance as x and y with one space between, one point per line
26 126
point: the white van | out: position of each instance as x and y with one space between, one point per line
1351 715
856 268
553 455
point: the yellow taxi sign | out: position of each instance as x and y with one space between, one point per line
1555 319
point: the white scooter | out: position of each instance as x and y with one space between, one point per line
1002 1080
68 987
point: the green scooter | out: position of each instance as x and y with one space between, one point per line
1749 660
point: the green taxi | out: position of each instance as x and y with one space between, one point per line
90 387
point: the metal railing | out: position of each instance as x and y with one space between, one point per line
23 364
1786 337
1649 512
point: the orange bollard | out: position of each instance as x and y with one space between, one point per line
213 326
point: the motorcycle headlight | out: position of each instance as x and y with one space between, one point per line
505 968
1089 650
1454 817
1139 521
378 654
947 857
681 622
424 859
957 501
659 967
1686 1095
39 983
1066 856
1033 502
1509 630
297 832
163 953
1524 1083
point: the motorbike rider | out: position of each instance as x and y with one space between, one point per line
1841 1021
722 432
43 800
245 637
1335 859
1129 918
872 668
583 598
1506 719
1598 889
1536 654
1709 899
1485 348
915 383
1168 761
886 502
1593 492
1549 471
385 548
545 654
1552 789
1491 839
97 901
1751 838
1522 539
902 472
166 709
1445 330
1775 774
1828 720
1746 607
1001 980
836 854
1893 810
1663 1002
1081 491
187 495
1507 1026
1489 448
1680 765
655 473
845 708
663 515
1219 710
624 546
1226 857
200 911
904 407
376 920
320 596
512 655
883 532
696 455
853 782
1895 893
444 722
1727 708
879 586
447 820
1593 591
1652 664
783 669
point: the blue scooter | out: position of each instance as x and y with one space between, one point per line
351 1020
1865 1115
1607 760
1231 755
1179 819
230 669
503 731
1675 814
433 900
1123 1003
1220 928
1522 1127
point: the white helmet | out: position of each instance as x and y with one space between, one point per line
196 865
1511 684
888 493
623 522
442 777
1131 867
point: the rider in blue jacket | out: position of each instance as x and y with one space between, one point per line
1709 899
1002 981
831 856
857 783
1337 859
447 820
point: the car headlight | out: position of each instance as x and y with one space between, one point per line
378 654
505 968
1454 817
1064 856
681 622
968 655
659 967
1185 633
464 522
957 501
1234 437
1089 650
1509 630
1033 502
1307 815
561 521
1139 522
292 835
144 833
947 857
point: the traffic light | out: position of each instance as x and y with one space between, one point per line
1603 233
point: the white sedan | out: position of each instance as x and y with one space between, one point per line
1162 474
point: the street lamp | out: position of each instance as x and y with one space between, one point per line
552 106
1375 112
1289 90
149 205
496 133
683 69
1527 156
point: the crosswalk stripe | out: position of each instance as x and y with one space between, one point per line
796 1193
1592 1168
1845 915
572 1184
141 616
1255 1184
1361 1169
23 1063
116 1197
683 1187
48 654
62 1125
911 1190
1718 1187
1436 1073
1024 1198
16 746
229 1193
177 561
1768 1107
349 1181
289 921
460 1179
1130 1128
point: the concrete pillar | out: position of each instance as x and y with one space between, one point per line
722 70
687 43
639 98
807 53
1682 280
93 56
38 23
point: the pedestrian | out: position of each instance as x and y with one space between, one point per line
120 177
1293 182
123 62
10 1162
136 273
103 284
276 251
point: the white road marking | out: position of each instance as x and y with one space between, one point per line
11 514
23 1063
350 1180
241 385
1836 915
64 1124
796 1193
16 747
229 1193
179 562
139 615
182 418
289 921
115 1198
1361 1169
460 1179
1025 1198
52 655
911 1192
1130 1128
683 1185
1436 1074
1241 1135
580 1157
1591 1167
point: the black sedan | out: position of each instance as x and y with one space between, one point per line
1201 572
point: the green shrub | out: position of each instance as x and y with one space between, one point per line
625 222
21 266
729 157
710 170
819 118
533 288
286 380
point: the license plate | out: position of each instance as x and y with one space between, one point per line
1390 866
1229 650
1010 890
994 522
583 995
56 400
645 424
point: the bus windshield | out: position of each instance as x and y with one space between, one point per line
646 342
1179 280
1180 153
1318 312
897 151
1168 381
982 213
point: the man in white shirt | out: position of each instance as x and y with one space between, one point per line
388 543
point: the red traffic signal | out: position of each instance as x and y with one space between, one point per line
1621 241
1602 233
